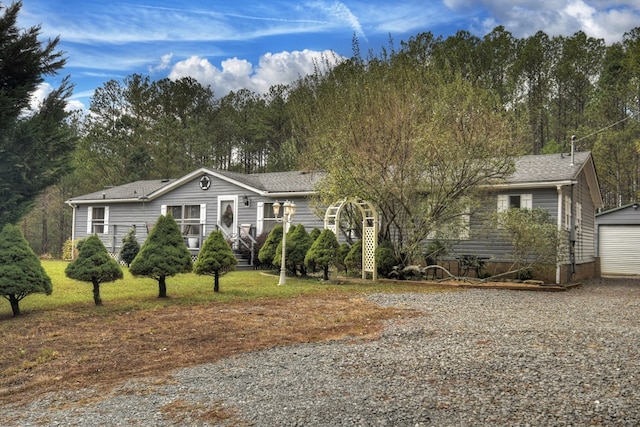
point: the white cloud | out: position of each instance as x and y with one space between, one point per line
235 74
165 63
74 104
605 19
43 90
39 95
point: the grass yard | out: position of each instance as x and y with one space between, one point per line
63 341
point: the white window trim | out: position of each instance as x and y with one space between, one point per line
526 201
567 213
503 202
106 220
105 228
203 218
89 220
260 218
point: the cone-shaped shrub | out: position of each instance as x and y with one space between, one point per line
130 247
215 258
94 265
323 252
21 273
163 254
267 252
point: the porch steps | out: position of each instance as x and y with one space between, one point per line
243 263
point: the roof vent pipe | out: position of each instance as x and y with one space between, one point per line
573 149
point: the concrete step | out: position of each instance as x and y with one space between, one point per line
243 263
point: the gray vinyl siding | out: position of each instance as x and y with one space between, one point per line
624 216
490 246
304 213
585 247
124 216
486 243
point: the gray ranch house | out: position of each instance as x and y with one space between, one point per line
241 205
566 186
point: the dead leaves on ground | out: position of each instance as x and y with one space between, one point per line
72 349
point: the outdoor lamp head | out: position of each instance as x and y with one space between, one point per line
276 209
292 209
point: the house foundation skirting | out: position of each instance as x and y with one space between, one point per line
583 271
545 273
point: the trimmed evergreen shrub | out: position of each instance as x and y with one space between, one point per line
130 247
215 258
163 254
323 252
94 265
21 273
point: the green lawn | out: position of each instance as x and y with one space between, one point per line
132 293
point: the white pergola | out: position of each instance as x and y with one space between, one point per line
369 230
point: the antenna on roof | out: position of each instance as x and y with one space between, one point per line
573 149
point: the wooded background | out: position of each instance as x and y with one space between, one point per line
544 90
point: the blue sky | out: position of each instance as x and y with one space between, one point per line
255 44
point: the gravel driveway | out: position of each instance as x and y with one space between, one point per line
478 357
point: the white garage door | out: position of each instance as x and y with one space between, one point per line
619 249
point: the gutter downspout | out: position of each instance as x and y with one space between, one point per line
73 229
572 236
560 214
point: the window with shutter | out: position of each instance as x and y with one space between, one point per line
260 219
508 201
567 213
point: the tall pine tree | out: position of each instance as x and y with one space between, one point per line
35 145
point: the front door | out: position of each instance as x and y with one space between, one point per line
227 216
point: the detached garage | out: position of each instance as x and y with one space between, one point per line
618 232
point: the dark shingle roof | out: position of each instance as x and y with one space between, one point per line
529 169
278 182
274 182
547 168
130 191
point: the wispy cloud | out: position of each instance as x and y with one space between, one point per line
122 23
340 13
221 42
406 18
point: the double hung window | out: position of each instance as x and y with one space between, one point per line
190 218
268 219
98 220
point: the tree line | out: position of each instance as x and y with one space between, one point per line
487 95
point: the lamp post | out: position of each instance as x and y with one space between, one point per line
289 210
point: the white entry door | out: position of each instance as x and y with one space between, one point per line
227 215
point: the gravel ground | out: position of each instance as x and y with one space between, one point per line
478 357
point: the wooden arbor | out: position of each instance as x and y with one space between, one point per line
369 230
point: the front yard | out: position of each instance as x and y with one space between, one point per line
65 341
